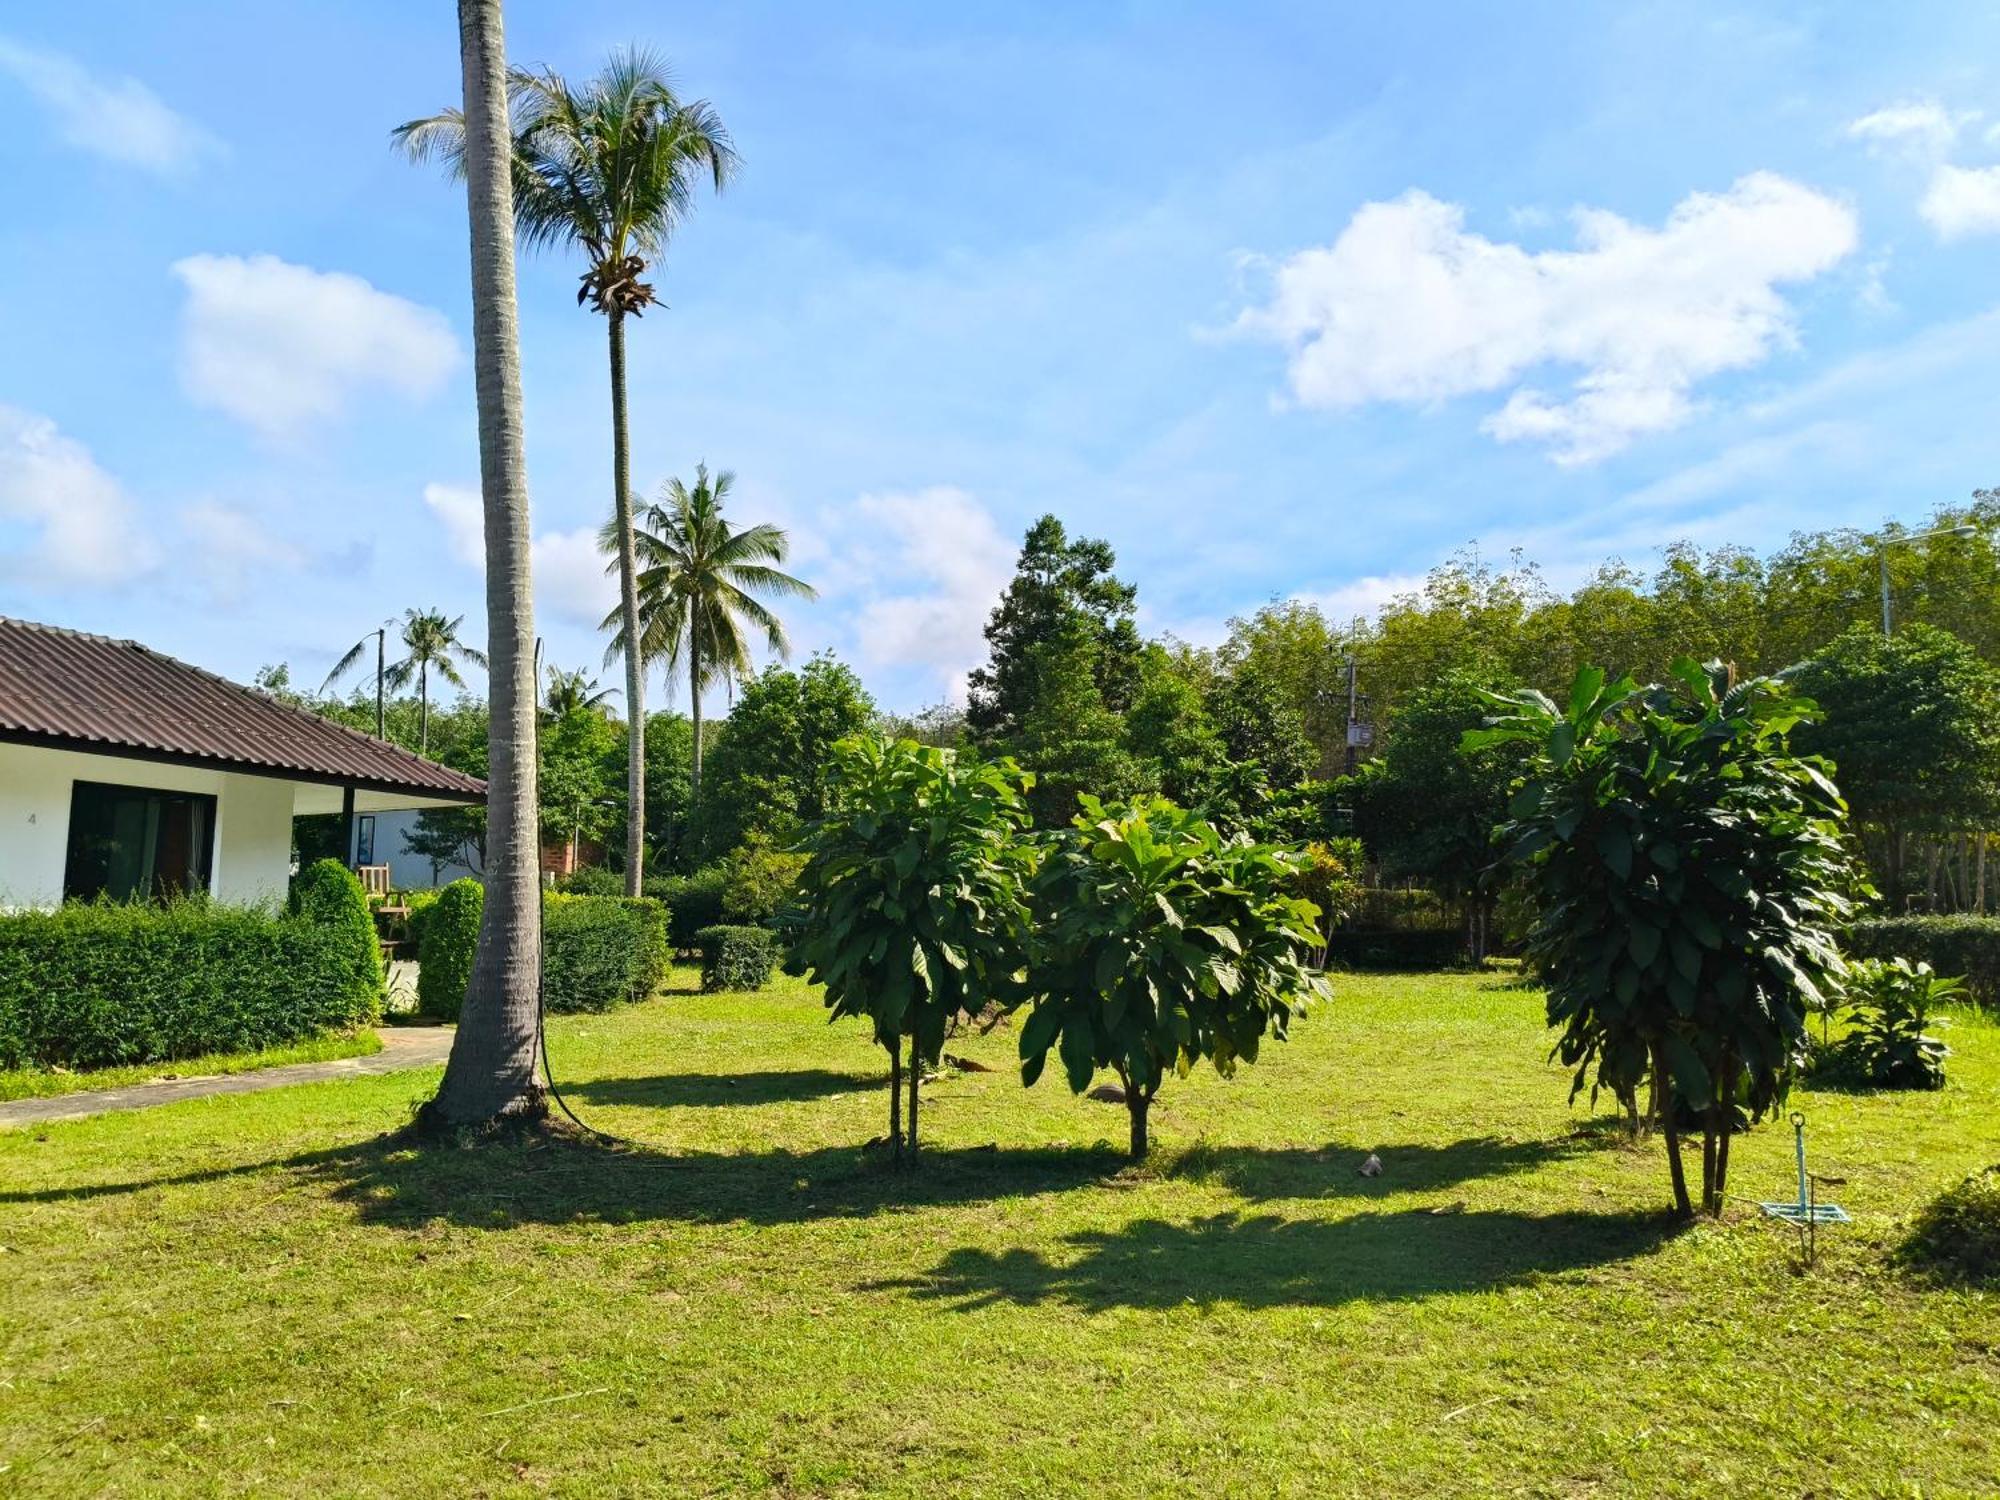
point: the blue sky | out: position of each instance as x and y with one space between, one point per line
1282 300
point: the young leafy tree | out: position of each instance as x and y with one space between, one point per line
771 767
1688 875
914 897
1160 943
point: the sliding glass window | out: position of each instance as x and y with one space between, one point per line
135 843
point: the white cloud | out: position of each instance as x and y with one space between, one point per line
1962 201
919 572
76 525
229 549
1363 598
1922 125
278 346
116 118
1408 306
570 581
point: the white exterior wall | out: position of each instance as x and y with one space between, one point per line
253 822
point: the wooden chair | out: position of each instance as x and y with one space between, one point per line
374 880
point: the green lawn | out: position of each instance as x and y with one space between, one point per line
269 1294
43 1083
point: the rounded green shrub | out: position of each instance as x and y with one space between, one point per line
592 880
600 951
693 902
736 958
1957 1235
450 938
329 895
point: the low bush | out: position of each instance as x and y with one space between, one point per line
1402 951
759 880
736 958
1887 1047
421 904
600 951
592 880
450 937
329 894
90 986
1957 1234
1964 945
693 902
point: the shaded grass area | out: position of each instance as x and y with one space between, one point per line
282 1293
45 1083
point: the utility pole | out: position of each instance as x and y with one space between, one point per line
381 657
1353 670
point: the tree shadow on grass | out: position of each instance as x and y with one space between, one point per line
1331 1170
705 1089
399 1181
1268 1261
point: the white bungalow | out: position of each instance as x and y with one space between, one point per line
126 773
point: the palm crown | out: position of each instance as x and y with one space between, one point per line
433 646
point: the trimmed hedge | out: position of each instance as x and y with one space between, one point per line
693 902
450 931
1957 946
736 958
1397 950
598 951
91 986
330 894
592 880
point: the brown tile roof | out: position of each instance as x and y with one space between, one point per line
89 692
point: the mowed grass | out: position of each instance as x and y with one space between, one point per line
44 1083
274 1294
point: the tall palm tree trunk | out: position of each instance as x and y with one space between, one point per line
694 713
628 604
424 708
491 1074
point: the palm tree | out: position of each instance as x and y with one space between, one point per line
612 168
575 693
347 663
491 1074
433 644
697 589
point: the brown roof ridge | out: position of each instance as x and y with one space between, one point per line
70 689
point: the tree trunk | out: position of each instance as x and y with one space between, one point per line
916 1077
1671 1129
1136 1105
1725 1122
1979 880
491 1073
628 608
423 708
895 1046
694 715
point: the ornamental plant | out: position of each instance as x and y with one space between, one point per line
1688 875
1160 943
913 899
1888 1045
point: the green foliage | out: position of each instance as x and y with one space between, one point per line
1259 725
601 951
592 880
1689 874
736 958
449 936
1963 945
914 898
769 771
1956 1236
1169 730
759 880
1887 1047
692 901
330 894
1912 723
1293 651
1064 608
1069 737
580 780
90 986
1427 806
1159 943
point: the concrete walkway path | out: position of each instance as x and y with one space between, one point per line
402 1047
